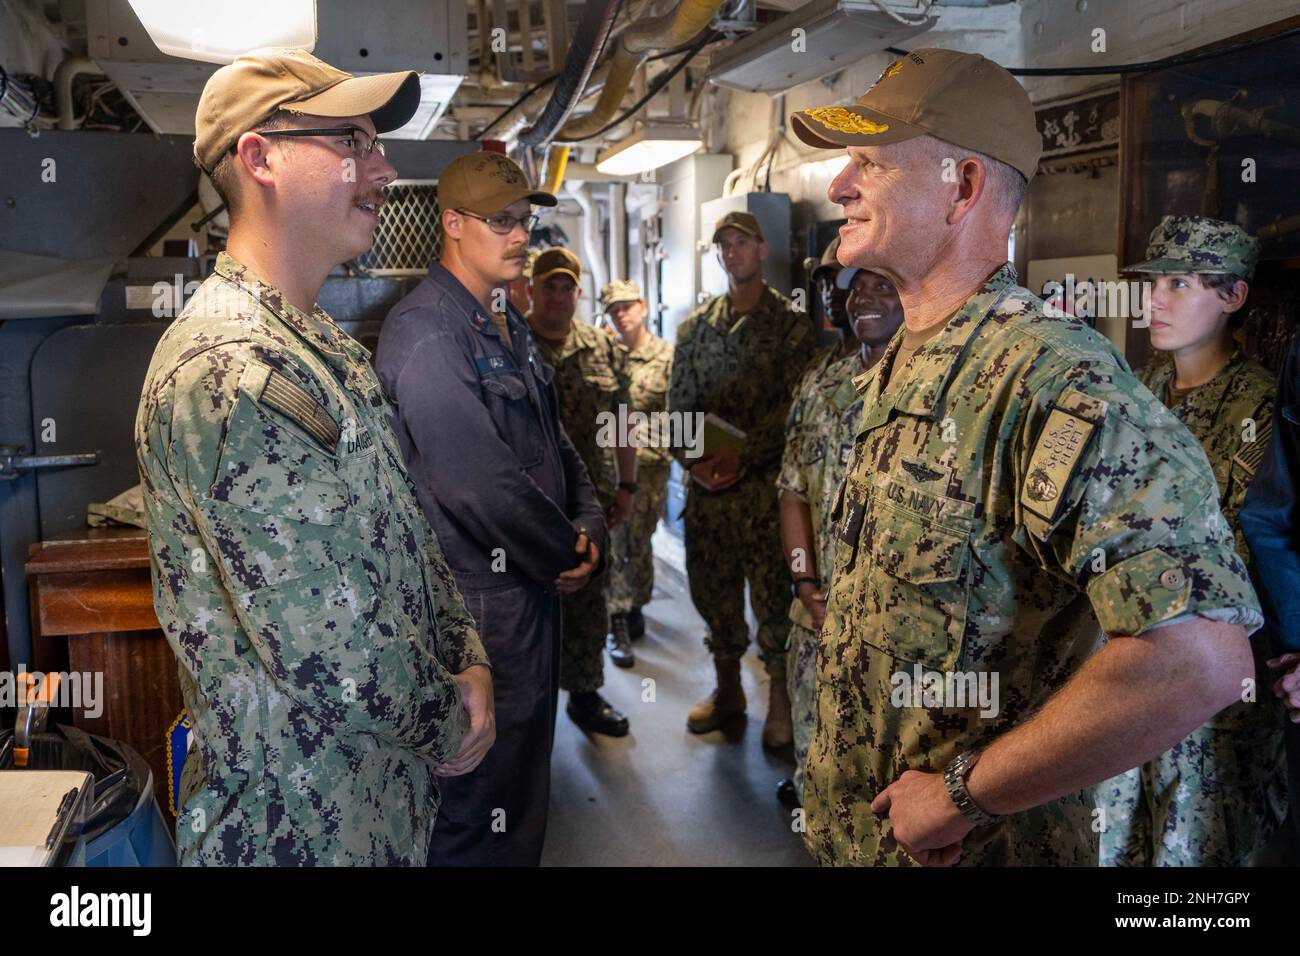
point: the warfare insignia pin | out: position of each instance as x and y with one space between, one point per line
919 470
845 121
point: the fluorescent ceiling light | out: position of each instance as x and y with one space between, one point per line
219 32
648 148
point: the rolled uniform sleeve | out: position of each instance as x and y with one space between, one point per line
284 524
1115 493
471 471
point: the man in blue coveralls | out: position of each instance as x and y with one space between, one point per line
512 505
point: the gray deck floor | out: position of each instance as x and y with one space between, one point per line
663 796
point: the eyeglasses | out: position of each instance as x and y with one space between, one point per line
503 225
361 143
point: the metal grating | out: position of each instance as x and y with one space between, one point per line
409 232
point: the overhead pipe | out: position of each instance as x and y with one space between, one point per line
67 71
588 43
669 30
556 163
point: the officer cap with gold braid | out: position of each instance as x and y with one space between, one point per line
960 98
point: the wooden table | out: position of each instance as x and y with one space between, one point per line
92 611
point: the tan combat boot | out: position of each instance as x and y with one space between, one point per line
726 701
778 728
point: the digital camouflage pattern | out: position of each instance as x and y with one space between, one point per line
744 369
295 577
590 378
620 290
1195 244
819 435
1232 417
632 568
1011 475
820 431
1216 797
649 370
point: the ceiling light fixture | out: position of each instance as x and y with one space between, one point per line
217 33
649 147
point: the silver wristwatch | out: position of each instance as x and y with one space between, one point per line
954 777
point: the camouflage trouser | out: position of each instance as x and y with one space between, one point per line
632 565
801 681
1213 800
731 536
582 648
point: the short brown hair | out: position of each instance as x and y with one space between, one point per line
1222 282
223 173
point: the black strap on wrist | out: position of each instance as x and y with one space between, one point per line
629 486
794 585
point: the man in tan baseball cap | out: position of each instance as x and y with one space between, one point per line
256 436
973 514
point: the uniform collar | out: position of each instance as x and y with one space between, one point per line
573 343
1212 393
442 277
650 349
317 329
925 380
722 316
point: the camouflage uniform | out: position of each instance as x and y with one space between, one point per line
1217 796
302 590
744 370
989 476
632 566
589 379
819 435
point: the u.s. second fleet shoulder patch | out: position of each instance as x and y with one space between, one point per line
1055 459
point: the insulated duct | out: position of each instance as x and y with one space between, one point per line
588 43
669 30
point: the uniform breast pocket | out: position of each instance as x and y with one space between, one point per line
916 587
507 401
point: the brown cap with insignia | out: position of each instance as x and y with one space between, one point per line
556 259
486 183
960 98
746 222
242 94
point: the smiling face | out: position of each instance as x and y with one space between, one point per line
1185 314
896 203
740 254
874 308
325 192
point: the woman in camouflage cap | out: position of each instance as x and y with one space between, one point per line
1216 797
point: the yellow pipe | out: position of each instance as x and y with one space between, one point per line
667 31
555 168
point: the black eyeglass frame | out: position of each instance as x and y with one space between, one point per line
529 222
375 142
